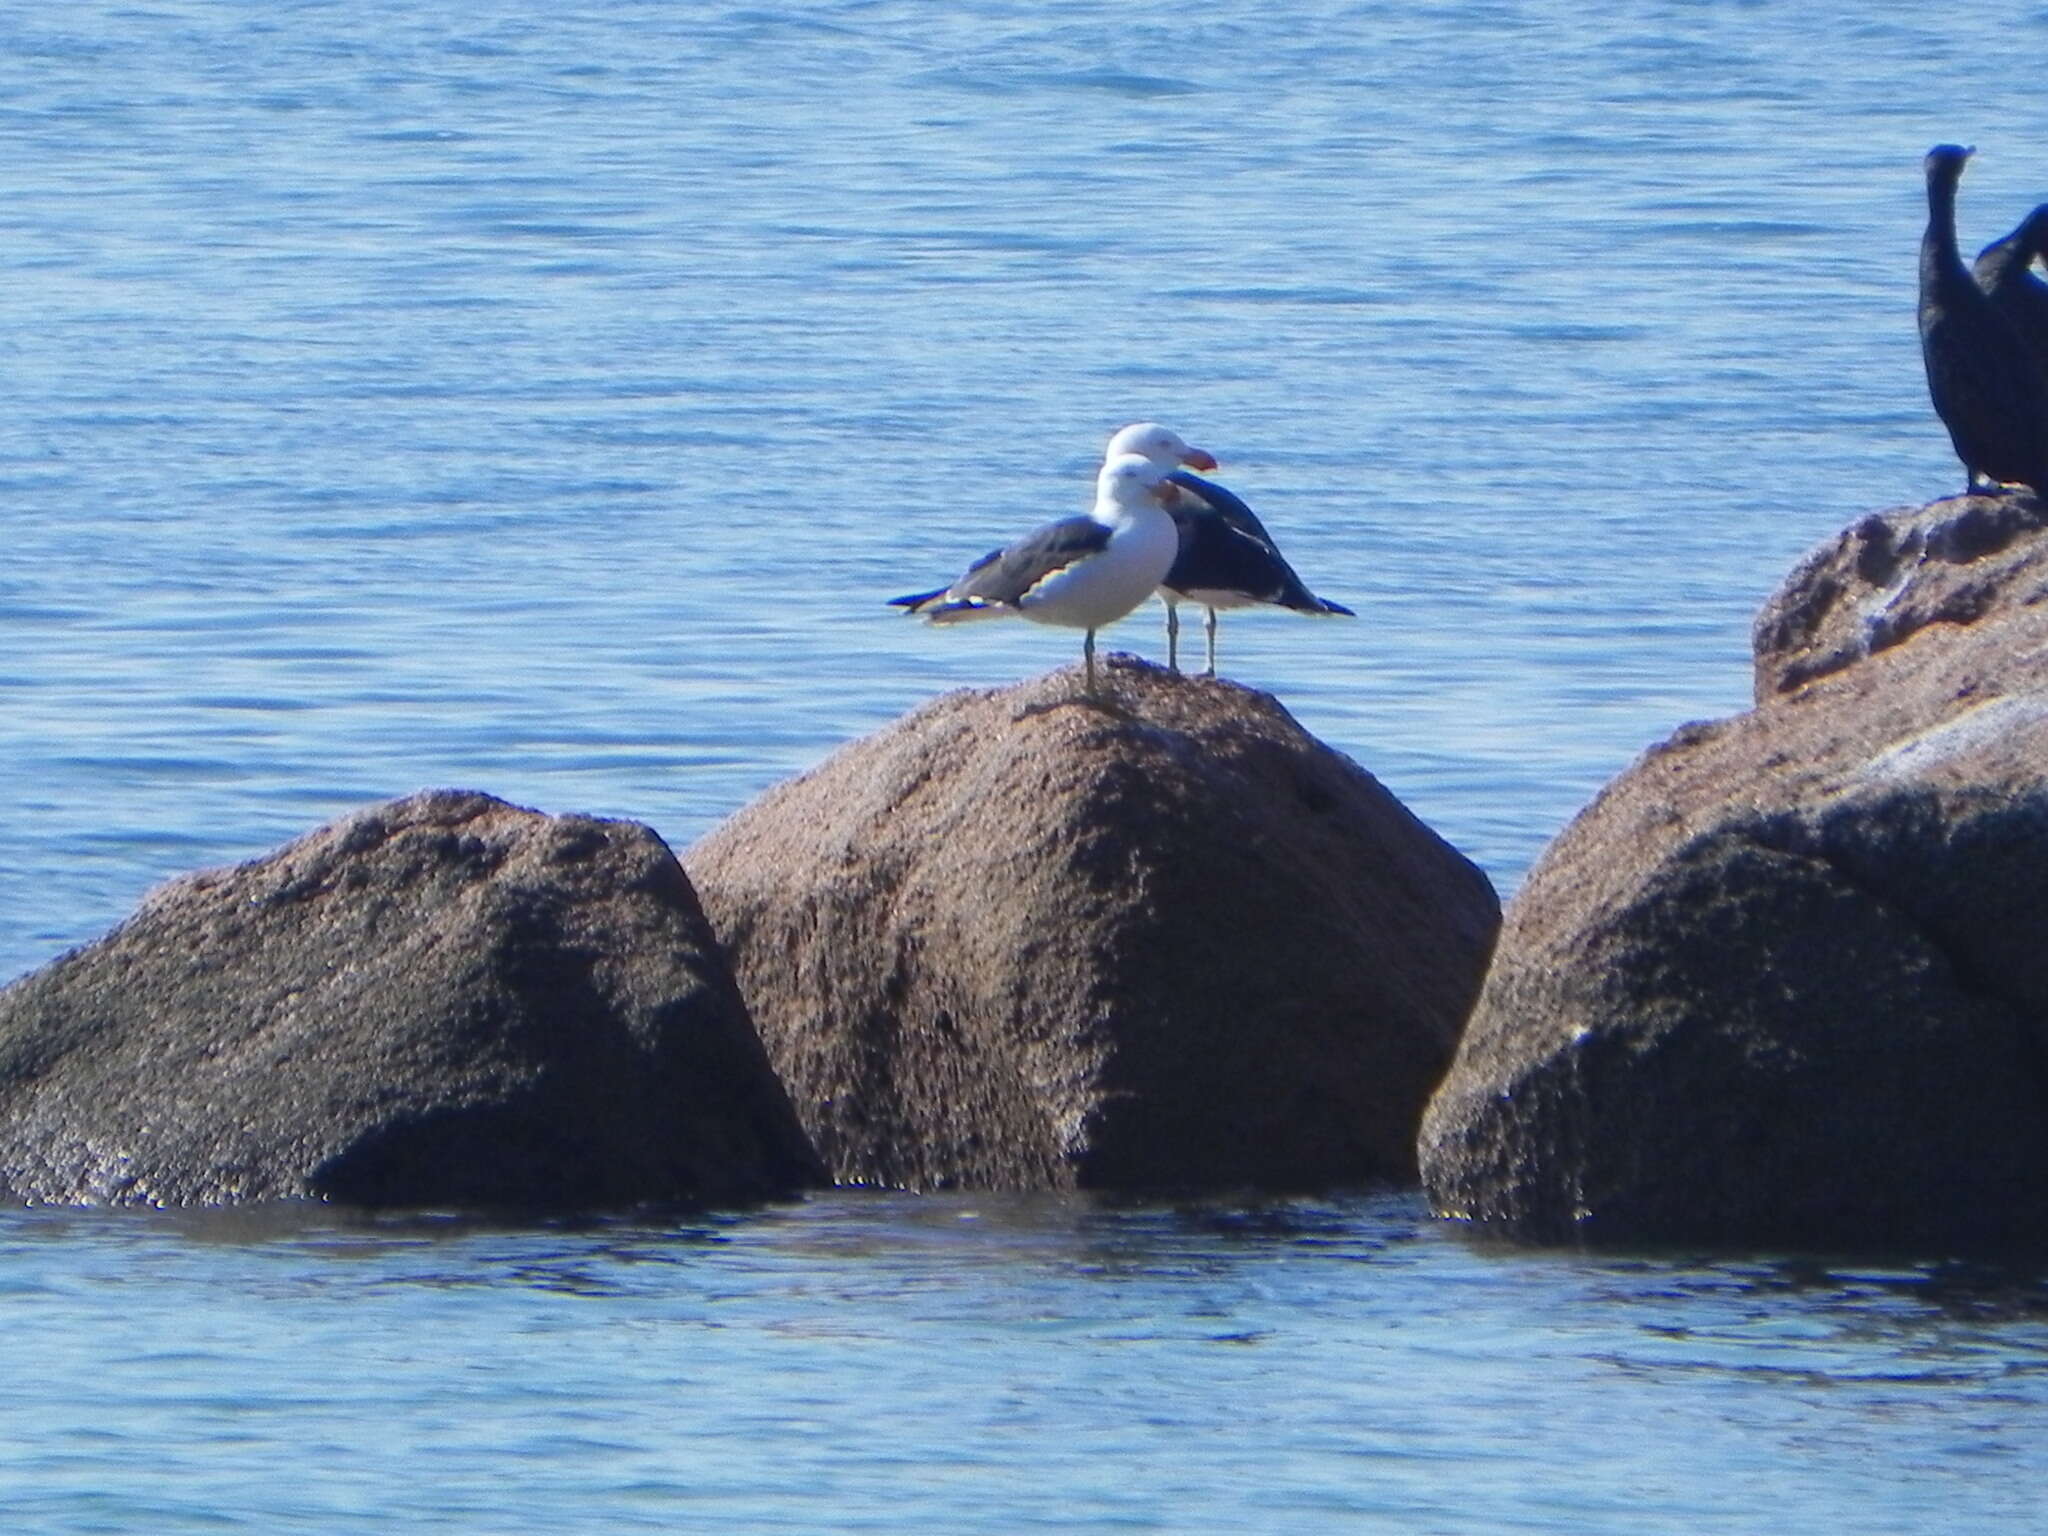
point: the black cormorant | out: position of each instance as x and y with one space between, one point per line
2005 271
1983 380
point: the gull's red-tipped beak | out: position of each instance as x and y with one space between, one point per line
1199 458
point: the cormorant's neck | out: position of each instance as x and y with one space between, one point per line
1941 213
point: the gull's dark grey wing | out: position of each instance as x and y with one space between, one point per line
1001 578
1225 548
917 601
1015 570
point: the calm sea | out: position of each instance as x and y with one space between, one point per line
544 399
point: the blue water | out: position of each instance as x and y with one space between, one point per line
543 400
954 1364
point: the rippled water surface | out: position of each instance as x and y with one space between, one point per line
543 400
942 1363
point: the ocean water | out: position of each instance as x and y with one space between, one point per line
544 400
897 1363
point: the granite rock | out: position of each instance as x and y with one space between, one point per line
442 1000
1786 979
1022 940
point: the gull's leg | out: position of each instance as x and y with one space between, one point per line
1088 656
1211 628
1172 635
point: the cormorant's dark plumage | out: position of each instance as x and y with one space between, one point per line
2005 271
1983 380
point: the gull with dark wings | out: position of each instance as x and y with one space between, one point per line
1226 557
1083 572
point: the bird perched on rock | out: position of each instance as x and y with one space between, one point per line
1984 382
1226 558
2004 270
1083 572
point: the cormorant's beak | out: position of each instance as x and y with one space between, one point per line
1199 458
1164 493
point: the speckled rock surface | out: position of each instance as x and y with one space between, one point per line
1021 940
1786 980
1890 575
442 1000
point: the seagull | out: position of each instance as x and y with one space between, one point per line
1226 559
1083 572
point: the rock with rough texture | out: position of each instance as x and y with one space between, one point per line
1786 980
1892 574
442 1000
1020 940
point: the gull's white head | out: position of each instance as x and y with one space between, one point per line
1129 479
1162 445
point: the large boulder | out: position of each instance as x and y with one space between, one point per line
1020 939
445 999
1786 979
